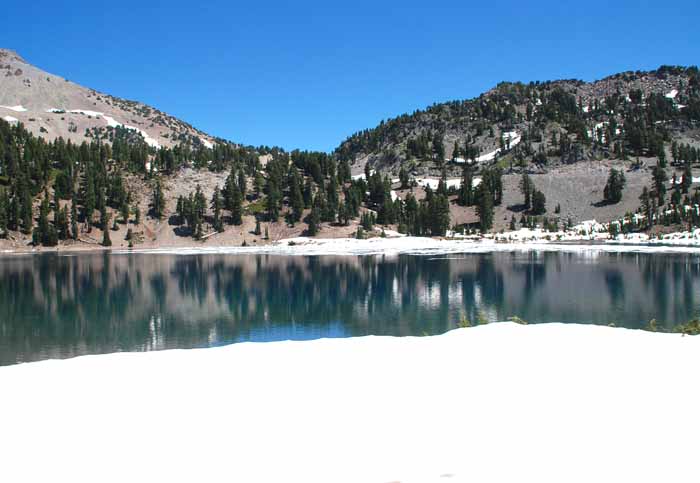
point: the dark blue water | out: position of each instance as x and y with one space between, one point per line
60 306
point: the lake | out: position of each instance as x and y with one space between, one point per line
58 306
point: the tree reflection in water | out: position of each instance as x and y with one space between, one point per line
60 306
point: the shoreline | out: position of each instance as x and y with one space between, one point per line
405 245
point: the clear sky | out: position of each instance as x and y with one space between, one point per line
307 74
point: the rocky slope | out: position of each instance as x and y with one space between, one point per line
545 124
51 106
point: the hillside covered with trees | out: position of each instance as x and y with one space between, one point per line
475 165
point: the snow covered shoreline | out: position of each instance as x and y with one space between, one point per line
418 246
501 402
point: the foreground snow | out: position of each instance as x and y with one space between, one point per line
502 402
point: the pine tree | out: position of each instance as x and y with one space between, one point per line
4 212
26 210
296 198
314 218
466 190
158 203
257 228
236 206
216 203
403 178
308 193
614 186
539 203
660 178
124 210
73 219
104 220
484 207
687 178
242 184
90 198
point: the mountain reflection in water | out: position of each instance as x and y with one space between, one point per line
54 306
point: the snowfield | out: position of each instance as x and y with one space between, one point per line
518 240
15 108
10 119
495 403
114 123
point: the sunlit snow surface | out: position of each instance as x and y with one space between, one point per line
495 403
523 239
15 108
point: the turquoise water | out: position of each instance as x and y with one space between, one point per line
57 306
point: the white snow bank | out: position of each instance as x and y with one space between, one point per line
425 246
86 112
114 123
434 182
15 108
672 94
55 110
207 144
494 403
146 137
10 119
362 175
512 139
694 179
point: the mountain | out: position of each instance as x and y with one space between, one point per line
552 123
79 169
51 106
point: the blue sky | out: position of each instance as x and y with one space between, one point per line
308 74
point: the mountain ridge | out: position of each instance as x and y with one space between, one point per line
52 106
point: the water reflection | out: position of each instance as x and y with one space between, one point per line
60 306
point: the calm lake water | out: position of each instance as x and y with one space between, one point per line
57 306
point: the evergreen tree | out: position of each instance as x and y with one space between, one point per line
660 178
73 219
308 193
466 190
614 186
236 206
158 203
4 212
646 206
216 203
439 208
539 203
89 197
296 198
687 178
314 218
242 184
104 221
26 209
403 178
484 207
124 211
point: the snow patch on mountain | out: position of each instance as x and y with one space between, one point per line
15 108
